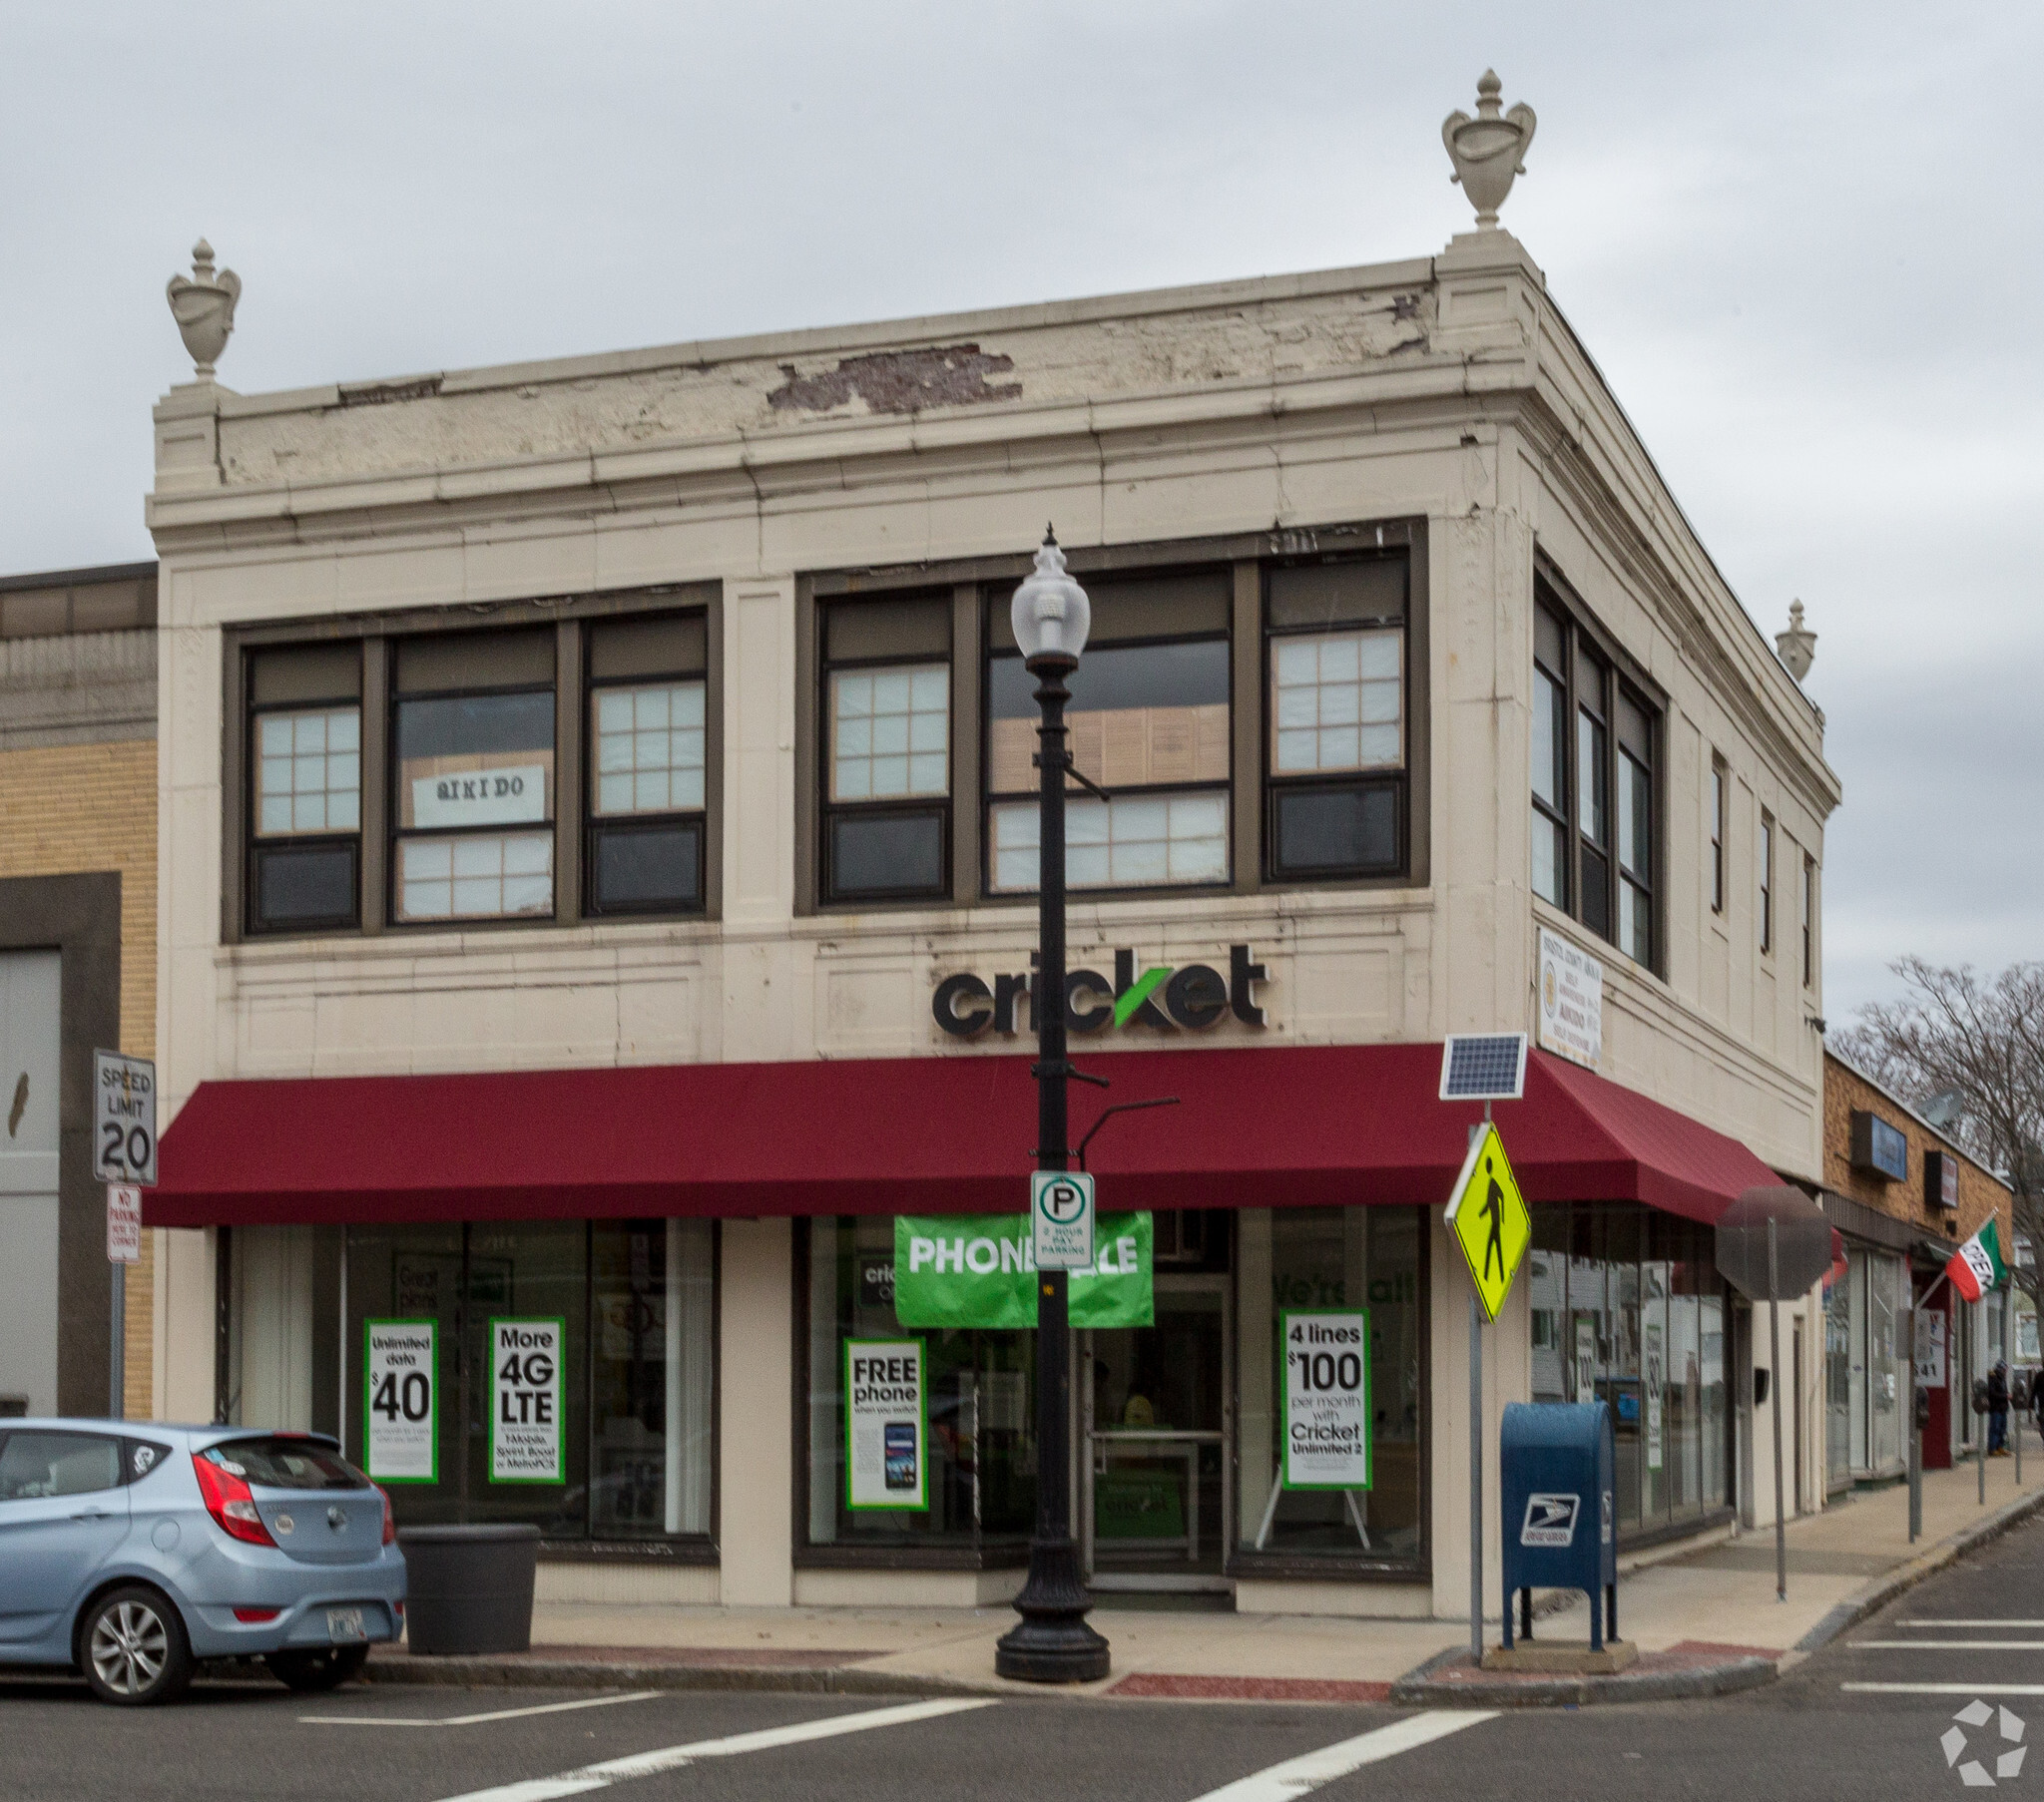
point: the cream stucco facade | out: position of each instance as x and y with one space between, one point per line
1447 391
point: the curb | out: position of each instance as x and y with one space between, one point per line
1875 1595
1419 1688
585 1673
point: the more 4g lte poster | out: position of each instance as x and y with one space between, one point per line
401 1401
528 1426
1326 1399
886 1425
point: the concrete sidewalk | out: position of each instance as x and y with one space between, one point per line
1706 1619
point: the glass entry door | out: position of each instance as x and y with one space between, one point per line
1156 1420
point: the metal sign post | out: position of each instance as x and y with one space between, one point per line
123 1158
1773 1241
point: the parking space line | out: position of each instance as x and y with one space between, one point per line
1944 1688
472 1720
668 1758
1947 1645
1295 1776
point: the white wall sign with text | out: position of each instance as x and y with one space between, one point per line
886 1425
401 1401
481 797
1326 1399
1571 1009
528 1425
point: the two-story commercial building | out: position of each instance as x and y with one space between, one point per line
598 869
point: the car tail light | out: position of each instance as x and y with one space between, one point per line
253 1617
390 1519
230 1503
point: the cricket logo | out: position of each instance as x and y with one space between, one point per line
1973 1771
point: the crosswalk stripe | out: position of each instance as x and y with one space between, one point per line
668 1758
1945 1689
1295 1776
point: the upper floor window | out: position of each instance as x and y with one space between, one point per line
886 748
1595 753
305 787
1719 783
1766 873
1150 721
1337 710
473 769
647 763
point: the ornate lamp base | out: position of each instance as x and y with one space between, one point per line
1052 1644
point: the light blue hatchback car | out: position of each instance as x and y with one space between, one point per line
133 1551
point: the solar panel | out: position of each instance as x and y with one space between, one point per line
1483 1066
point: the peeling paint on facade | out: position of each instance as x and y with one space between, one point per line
899 381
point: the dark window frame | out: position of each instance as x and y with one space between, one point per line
829 811
394 834
596 827
1620 679
376 636
257 843
998 598
1398 782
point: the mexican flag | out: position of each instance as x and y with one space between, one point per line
1976 1267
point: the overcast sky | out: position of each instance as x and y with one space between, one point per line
1801 242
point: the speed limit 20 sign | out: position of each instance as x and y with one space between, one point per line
123 1119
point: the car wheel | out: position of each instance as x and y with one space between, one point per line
309 1673
133 1648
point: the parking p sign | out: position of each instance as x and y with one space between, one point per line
1061 1219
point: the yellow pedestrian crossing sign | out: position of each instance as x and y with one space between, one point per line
1488 1218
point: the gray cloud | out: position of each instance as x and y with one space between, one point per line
1803 250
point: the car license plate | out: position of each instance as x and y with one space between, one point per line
343 1625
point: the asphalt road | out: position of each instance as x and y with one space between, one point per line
1866 1719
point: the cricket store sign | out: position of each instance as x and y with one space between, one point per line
1193 997
886 1425
528 1426
1326 1399
401 1400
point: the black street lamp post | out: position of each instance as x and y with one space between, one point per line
1052 1644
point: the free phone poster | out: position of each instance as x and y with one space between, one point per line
1326 1399
401 1401
886 1425
528 1428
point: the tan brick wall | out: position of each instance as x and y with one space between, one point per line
72 809
1979 1193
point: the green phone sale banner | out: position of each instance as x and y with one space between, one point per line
980 1270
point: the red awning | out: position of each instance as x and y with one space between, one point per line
1269 1126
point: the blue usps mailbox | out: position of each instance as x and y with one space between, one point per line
1557 1492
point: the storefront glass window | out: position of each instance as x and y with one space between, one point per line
979 1388
1327 1257
615 1372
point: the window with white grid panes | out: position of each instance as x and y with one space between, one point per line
890 733
650 749
1336 736
308 772
480 876
885 748
1337 702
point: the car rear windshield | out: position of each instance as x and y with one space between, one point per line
288 1463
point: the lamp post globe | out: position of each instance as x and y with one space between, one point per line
1052 1644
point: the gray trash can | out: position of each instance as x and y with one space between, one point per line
468 1589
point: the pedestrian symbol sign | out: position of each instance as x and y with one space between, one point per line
1488 1218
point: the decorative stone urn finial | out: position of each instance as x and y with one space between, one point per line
1489 150
1797 648
205 309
